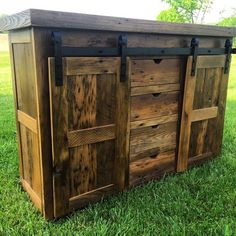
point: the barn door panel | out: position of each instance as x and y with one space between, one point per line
89 119
203 111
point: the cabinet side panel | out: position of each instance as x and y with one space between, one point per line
26 113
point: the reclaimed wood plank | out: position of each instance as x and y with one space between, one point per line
27 121
83 169
121 170
147 169
204 114
91 135
151 140
154 105
41 52
211 61
93 65
59 128
185 129
154 89
43 18
153 121
33 196
147 72
91 196
14 88
25 78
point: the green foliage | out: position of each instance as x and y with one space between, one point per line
185 11
229 21
201 201
171 15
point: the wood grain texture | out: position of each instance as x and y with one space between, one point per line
87 139
33 196
59 129
24 95
206 96
21 36
121 170
43 18
30 159
91 196
25 78
83 169
153 105
14 88
92 108
150 141
27 121
153 121
154 89
147 72
204 112
109 39
91 135
148 168
185 129
211 61
41 51
94 65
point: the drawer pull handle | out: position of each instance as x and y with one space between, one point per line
155 155
156 94
155 126
157 61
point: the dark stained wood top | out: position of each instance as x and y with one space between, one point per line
51 19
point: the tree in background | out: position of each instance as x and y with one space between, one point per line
229 21
186 11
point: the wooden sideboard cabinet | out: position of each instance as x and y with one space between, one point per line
104 104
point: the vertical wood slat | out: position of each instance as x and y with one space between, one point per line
41 50
185 128
122 130
59 126
16 107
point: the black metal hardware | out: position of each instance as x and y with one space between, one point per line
122 45
123 51
56 38
228 49
194 52
135 52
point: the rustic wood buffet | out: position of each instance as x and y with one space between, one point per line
104 104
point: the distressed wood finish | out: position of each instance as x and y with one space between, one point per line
24 89
41 50
201 106
144 72
155 85
96 136
43 18
90 139
155 104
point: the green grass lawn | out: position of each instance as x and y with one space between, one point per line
201 201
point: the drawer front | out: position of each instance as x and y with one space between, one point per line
155 71
152 140
149 168
154 105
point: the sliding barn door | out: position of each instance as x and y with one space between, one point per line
90 131
203 111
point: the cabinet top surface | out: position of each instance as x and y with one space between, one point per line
56 19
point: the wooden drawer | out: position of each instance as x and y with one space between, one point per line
153 105
152 140
146 72
149 168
